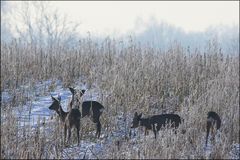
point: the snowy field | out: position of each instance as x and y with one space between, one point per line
36 112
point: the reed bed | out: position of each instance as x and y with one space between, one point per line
130 77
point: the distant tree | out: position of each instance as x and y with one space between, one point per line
6 35
42 25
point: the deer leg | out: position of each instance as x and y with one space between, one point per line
65 133
145 133
154 131
69 134
78 128
175 130
130 133
213 136
96 130
208 129
213 133
98 126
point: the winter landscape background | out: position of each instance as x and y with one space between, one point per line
153 67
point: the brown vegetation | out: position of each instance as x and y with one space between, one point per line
131 77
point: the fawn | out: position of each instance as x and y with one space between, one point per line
68 119
213 120
92 109
156 122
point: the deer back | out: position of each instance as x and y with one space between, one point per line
91 108
163 119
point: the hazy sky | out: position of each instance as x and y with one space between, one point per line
106 17
123 16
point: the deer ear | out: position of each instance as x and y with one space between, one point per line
140 115
53 98
71 90
83 91
59 98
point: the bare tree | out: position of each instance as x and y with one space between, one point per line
44 26
5 26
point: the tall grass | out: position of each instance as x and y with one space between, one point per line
135 77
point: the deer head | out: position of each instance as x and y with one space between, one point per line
136 120
55 104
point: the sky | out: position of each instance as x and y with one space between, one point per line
120 17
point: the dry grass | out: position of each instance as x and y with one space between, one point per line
135 78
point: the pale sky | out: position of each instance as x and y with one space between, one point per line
119 17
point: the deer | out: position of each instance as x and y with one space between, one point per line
68 119
156 122
213 121
74 94
92 109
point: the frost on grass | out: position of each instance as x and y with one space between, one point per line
124 79
128 141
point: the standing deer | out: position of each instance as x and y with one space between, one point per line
156 122
92 109
213 120
75 97
68 119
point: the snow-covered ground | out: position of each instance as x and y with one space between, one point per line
37 109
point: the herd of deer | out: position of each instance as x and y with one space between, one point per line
94 109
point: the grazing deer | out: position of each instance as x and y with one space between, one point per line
92 109
68 119
213 120
156 122
74 98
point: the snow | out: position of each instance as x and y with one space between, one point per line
87 150
235 152
6 97
37 110
30 113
